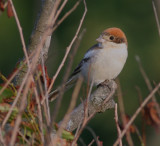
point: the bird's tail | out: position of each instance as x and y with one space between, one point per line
54 94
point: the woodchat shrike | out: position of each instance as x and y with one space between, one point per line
103 61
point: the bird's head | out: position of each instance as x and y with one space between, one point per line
113 35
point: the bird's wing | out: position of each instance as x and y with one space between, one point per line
74 76
86 58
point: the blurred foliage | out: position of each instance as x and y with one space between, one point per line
135 18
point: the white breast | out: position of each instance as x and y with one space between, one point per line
106 63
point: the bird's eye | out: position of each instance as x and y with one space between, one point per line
111 38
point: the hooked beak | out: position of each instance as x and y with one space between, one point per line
100 39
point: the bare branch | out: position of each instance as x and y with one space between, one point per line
20 32
156 16
123 114
68 48
136 113
41 36
16 99
97 103
66 15
21 109
116 121
148 83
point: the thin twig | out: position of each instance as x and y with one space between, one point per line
19 91
70 63
14 74
155 85
156 16
90 144
45 86
139 136
148 83
44 104
122 113
58 12
72 104
20 32
39 114
21 134
21 109
71 57
117 125
71 107
41 34
136 113
93 134
86 118
142 115
66 15
16 99
2 141
68 48
68 69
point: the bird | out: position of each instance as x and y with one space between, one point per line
103 61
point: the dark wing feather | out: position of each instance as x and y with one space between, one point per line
78 68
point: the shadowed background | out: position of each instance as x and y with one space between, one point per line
135 18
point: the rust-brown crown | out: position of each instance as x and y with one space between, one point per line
118 34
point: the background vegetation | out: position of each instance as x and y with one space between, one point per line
136 18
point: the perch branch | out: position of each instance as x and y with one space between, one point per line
99 101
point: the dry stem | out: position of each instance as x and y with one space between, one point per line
122 113
117 125
68 48
136 113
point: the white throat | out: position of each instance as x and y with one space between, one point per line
107 62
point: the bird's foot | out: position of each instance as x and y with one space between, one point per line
105 83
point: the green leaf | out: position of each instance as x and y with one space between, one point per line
5 107
67 135
7 93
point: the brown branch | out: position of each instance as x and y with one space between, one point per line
2 141
117 125
67 115
142 115
148 83
66 15
20 32
39 114
16 99
21 109
86 118
122 113
68 48
14 74
41 36
93 134
97 103
156 15
136 113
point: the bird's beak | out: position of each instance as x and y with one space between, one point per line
100 39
